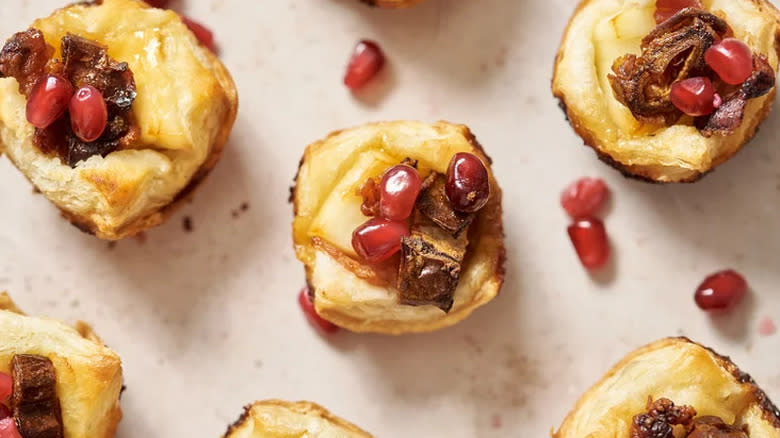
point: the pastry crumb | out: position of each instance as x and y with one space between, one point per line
187 224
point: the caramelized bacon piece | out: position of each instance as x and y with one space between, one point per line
434 204
661 417
671 52
24 58
34 401
431 264
727 119
370 194
714 427
87 63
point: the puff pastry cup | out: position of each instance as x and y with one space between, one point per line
281 419
327 206
602 31
88 374
685 373
184 107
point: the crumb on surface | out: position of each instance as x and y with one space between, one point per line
187 224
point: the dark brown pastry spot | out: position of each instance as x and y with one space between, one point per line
34 401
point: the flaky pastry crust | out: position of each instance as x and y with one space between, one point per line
185 109
89 374
337 165
281 419
600 31
679 370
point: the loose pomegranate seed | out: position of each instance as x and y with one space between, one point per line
584 197
399 189
666 8
48 100
202 33
589 238
766 327
378 239
4 411
158 3
88 113
721 291
366 61
731 59
6 387
468 183
8 428
694 96
311 313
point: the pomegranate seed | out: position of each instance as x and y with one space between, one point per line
721 291
731 59
468 183
378 239
48 100
4 412
766 327
158 3
202 33
399 189
694 96
88 113
6 387
8 428
311 313
666 8
584 197
590 241
366 61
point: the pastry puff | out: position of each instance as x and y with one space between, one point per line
281 419
328 208
681 371
185 108
89 374
600 32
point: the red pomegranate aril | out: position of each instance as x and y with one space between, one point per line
694 96
5 412
378 239
731 59
88 113
666 8
366 61
589 238
721 291
158 3
398 192
584 197
8 428
48 100
202 33
311 313
6 387
468 183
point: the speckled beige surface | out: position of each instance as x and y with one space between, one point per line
207 321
